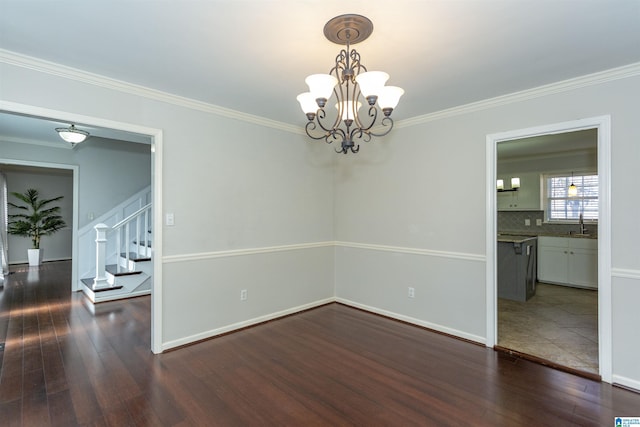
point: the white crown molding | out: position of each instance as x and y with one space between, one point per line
31 63
28 62
613 74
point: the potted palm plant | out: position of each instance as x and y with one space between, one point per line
37 219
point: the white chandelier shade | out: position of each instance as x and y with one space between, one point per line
389 96
371 83
321 85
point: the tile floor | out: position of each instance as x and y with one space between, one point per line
559 324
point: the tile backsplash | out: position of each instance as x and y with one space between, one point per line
513 221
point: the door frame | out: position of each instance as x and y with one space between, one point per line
156 136
603 126
74 229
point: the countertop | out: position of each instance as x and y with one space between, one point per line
514 238
573 235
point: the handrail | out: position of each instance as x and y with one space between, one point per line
130 217
123 240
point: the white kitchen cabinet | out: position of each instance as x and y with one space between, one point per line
568 261
527 197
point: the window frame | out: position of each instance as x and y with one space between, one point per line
546 199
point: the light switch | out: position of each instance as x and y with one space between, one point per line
538 222
168 219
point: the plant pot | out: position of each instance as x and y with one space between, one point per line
35 256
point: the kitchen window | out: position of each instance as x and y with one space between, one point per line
560 207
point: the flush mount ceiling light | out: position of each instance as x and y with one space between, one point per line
72 135
349 80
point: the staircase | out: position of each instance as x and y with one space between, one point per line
124 267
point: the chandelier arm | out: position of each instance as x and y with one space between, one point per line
321 114
311 127
360 134
372 113
387 123
355 62
336 134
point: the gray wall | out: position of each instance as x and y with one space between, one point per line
109 170
50 183
408 210
412 211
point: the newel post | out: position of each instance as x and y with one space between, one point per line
100 281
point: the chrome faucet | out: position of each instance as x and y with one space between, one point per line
583 228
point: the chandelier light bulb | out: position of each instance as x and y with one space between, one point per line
347 109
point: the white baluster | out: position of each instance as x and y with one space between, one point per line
100 281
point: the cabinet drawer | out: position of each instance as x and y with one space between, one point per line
582 243
553 242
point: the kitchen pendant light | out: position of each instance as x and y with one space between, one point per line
350 82
573 190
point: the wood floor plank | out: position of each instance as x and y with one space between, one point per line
61 410
65 365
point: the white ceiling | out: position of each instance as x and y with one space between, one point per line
253 55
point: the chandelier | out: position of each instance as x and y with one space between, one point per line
350 82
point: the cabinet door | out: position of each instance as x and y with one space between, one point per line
508 200
526 198
553 264
583 267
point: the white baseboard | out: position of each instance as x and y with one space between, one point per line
626 382
414 321
235 326
26 261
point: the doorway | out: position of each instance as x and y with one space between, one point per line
154 138
600 126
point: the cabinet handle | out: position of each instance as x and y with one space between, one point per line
571 252
565 252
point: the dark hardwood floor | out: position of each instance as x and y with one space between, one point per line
64 365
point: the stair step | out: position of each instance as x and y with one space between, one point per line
113 269
89 283
135 257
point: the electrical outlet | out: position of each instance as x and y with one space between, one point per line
169 219
527 222
243 295
538 222
412 292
